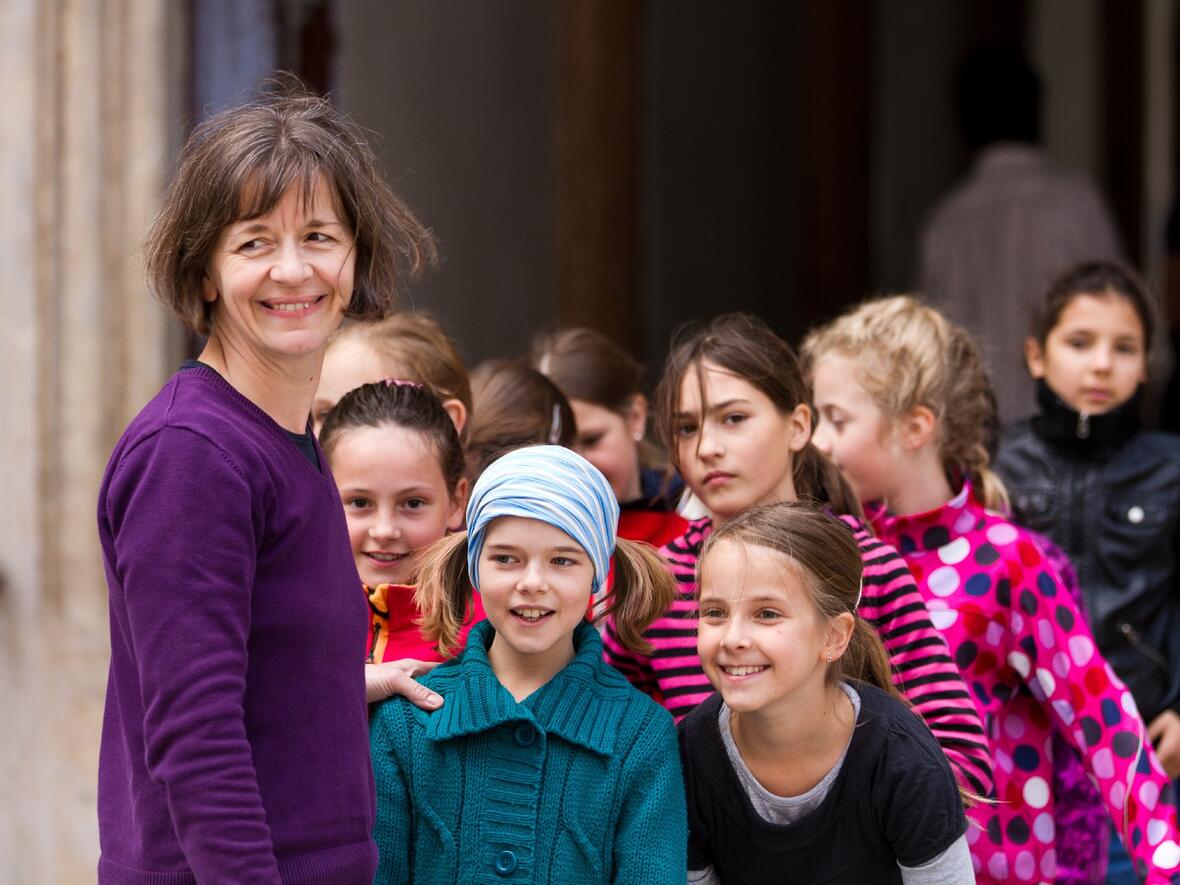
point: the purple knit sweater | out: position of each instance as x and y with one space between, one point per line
235 739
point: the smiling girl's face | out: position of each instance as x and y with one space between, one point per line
279 283
1094 358
395 498
761 639
534 583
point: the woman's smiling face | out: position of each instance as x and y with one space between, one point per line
280 283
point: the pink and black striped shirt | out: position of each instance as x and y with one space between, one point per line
922 665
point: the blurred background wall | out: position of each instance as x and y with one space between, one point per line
630 165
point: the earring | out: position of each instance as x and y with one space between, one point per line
829 656
638 437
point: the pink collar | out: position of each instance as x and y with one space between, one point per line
932 529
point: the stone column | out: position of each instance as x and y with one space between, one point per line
92 103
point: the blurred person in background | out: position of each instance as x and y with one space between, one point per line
995 242
604 385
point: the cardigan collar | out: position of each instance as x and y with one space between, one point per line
914 532
581 704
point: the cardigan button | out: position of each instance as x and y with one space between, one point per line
524 735
1135 515
505 863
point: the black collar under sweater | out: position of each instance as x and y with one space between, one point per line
1069 429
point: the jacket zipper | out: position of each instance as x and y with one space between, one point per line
1083 428
1136 640
373 644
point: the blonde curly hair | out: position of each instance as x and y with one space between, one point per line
908 355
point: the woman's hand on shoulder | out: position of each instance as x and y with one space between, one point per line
397 678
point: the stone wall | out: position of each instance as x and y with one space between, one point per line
91 125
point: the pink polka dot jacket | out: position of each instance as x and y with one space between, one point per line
1030 660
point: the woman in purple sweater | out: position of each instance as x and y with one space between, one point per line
235 739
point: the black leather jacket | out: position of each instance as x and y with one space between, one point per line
1108 493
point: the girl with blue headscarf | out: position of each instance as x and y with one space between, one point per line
544 764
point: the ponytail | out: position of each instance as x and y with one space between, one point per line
818 478
443 592
990 490
866 660
643 590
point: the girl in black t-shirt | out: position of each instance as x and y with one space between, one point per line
807 766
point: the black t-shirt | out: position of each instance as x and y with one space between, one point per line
894 801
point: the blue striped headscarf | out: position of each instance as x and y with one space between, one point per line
551 484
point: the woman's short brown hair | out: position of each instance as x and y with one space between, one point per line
239 163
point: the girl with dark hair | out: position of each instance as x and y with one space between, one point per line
733 410
514 405
808 759
1085 472
398 464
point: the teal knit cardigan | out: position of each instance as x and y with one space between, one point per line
578 783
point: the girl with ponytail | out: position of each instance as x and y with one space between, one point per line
808 758
396 458
733 412
907 413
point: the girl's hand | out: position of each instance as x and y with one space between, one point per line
396 677
1164 734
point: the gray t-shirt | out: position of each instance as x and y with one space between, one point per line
951 867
